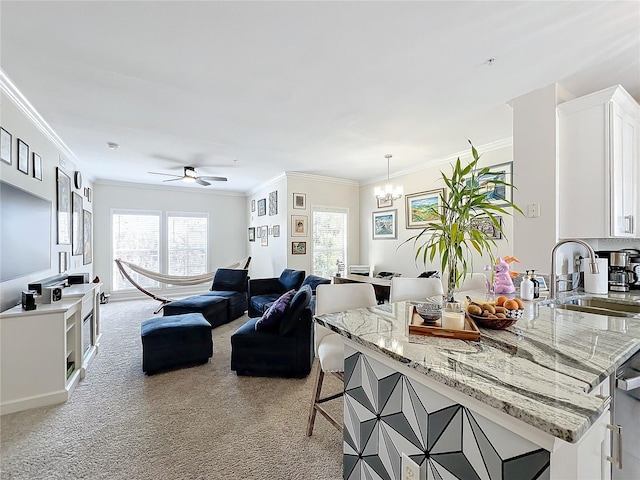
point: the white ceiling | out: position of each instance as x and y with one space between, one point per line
250 89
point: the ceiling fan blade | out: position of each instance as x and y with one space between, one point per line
214 179
167 174
172 179
202 182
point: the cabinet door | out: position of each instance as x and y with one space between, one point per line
623 153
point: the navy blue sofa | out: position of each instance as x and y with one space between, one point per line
264 291
286 350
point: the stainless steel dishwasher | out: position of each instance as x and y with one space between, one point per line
626 415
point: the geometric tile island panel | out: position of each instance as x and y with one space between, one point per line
387 414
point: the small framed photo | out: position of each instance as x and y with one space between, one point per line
5 146
253 205
484 224
252 234
422 207
298 248
262 207
300 201
23 157
299 225
385 203
273 203
276 230
37 166
264 236
384 224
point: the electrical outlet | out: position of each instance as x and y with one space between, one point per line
410 469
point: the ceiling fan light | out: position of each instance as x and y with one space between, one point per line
189 179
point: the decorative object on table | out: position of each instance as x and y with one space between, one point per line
502 281
298 248
496 184
417 326
453 236
388 193
63 206
430 310
262 207
77 228
37 166
276 230
384 224
273 203
299 225
300 201
87 251
23 157
264 235
423 207
252 234
5 146
253 205
340 267
497 315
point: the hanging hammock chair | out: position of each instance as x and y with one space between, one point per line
179 280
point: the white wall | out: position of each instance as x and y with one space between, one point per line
21 126
227 219
396 256
268 261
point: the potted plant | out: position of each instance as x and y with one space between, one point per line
453 234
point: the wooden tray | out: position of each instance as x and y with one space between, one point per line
417 327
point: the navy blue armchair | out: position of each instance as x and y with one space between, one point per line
286 350
264 291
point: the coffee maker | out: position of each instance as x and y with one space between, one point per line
633 268
618 273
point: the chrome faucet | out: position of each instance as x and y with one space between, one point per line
593 265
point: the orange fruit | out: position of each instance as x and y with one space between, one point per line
500 301
520 303
511 305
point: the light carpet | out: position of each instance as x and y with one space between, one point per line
202 422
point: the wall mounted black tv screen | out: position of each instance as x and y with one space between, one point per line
25 233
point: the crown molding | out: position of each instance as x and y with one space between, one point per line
322 178
265 184
484 148
165 188
14 94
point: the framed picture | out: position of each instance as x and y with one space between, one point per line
253 205
63 205
264 235
37 166
300 201
87 254
385 203
496 193
298 248
23 157
273 203
5 146
252 234
62 262
484 224
262 207
299 225
77 229
385 224
89 194
422 207
276 230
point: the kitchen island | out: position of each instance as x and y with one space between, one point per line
531 401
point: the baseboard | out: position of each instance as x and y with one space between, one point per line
34 402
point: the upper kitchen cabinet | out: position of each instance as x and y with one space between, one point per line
598 165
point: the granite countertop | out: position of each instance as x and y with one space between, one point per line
541 370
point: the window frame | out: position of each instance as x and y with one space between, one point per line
324 209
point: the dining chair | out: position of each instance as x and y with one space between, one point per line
405 288
475 281
329 345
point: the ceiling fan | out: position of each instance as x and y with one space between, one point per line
190 176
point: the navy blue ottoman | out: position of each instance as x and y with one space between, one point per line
175 341
213 308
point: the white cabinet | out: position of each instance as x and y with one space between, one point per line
42 357
598 165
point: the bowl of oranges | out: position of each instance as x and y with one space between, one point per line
500 314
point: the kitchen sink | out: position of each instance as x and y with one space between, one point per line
598 306
595 310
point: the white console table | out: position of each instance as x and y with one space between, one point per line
41 350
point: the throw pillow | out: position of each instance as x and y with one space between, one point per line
275 312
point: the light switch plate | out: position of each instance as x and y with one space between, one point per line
533 210
410 469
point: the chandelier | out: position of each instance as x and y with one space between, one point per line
388 192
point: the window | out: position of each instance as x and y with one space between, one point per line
329 232
177 246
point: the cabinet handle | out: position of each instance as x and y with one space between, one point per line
628 220
617 431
